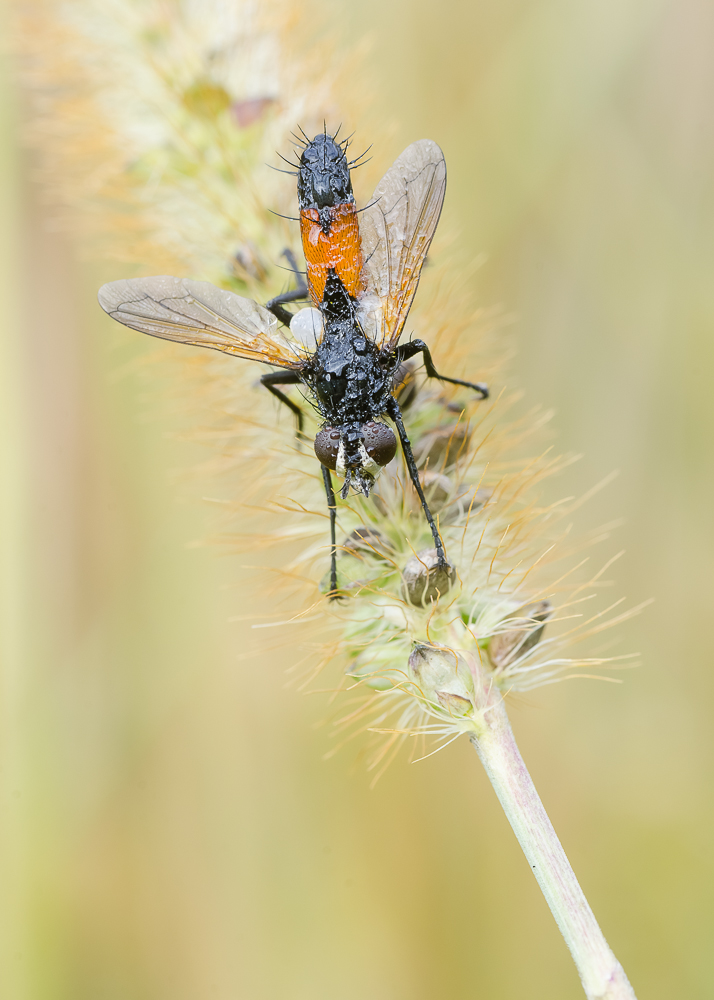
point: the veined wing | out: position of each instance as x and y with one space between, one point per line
396 231
199 314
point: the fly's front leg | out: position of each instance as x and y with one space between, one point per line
275 306
396 414
272 379
407 351
332 507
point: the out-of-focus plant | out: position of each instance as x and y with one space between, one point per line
155 122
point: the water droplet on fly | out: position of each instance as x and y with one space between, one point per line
306 327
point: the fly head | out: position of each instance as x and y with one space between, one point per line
357 452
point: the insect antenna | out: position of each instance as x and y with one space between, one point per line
293 173
290 218
354 163
371 204
292 270
285 160
364 485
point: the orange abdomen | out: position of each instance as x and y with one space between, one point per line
339 250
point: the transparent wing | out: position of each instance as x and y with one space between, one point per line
396 231
199 314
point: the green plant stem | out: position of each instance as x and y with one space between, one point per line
602 976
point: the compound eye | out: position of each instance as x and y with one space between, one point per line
379 442
327 446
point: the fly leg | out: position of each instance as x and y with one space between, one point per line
396 414
272 379
275 306
332 507
407 351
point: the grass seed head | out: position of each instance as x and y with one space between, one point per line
155 123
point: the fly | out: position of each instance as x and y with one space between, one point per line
362 274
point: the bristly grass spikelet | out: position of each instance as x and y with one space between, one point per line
155 123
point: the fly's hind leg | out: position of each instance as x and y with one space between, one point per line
396 414
272 379
332 507
276 305
407 351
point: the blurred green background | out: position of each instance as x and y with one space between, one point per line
169 828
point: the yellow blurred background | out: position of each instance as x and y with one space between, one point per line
169 827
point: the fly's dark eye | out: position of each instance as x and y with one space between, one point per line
327 445
379 442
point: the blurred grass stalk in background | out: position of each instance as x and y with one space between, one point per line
154 133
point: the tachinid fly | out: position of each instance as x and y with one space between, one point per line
362 274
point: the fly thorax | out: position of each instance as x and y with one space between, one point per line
330 387
337 306
324 174
335 362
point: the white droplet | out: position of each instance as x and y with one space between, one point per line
370 316
306 327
